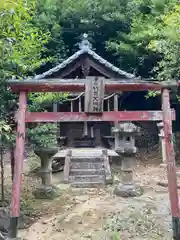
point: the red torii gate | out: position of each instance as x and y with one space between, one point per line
61 85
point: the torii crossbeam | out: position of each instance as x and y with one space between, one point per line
61 85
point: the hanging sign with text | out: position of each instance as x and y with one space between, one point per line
94 95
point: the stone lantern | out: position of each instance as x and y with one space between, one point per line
125 146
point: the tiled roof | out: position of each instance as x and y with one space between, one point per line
85 48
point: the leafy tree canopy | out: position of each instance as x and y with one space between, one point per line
140 36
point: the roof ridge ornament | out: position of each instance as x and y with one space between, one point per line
85 44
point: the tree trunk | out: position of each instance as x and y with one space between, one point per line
2 174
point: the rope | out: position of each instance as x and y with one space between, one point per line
76 98
108 97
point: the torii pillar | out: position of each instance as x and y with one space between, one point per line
18 167
171 166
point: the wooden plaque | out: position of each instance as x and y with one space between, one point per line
94 95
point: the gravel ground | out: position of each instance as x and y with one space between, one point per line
80 214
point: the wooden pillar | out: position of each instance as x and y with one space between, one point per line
71 106
18 168
115 109
108 105
67 166
80 106
171 168
85 129
115 102
162 143
55 109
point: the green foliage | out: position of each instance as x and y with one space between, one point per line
167 43
48 19
43 135
152 94
23 50
151 44
40 101
143 37
33 162
5 130
21 43
140 33
73 18
6 136
113 228
4 139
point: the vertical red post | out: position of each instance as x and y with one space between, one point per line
18 166
171 166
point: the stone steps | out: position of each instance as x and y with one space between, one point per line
87 184
86 159
88 169
87 178
87 165
77 172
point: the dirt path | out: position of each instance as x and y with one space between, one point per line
97 214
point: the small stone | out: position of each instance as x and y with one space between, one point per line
66 220
89 235
44 222
46 192
59 230
130 190
80 221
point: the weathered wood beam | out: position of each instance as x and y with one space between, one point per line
72 85
102 70
171 167
113 116
69 70
49 87
18 167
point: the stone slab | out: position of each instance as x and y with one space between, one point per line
84 152
92 159
76 172
87 178
87 185
86 165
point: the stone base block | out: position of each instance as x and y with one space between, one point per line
46 192
129 190
163 165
